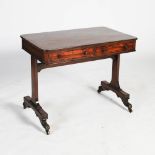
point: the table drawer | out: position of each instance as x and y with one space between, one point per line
115 48
71 55
97 52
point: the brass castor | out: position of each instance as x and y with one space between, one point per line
47 132
46 126
130 107
127 104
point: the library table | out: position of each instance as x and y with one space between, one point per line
59 48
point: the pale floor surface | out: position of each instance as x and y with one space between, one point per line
82 121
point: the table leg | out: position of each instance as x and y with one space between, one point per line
34 78
114 84
32 102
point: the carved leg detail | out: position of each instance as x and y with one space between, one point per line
100 89
40 113
46 126
119 92
32 102
127 104
114 84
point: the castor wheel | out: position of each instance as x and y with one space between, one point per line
127 104
100 89
47 129
46 126
130 108
47 132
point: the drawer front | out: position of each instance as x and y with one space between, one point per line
71 55
98 52
115 48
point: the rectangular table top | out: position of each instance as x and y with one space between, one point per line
77 45
56 40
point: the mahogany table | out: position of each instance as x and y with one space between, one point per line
51 49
